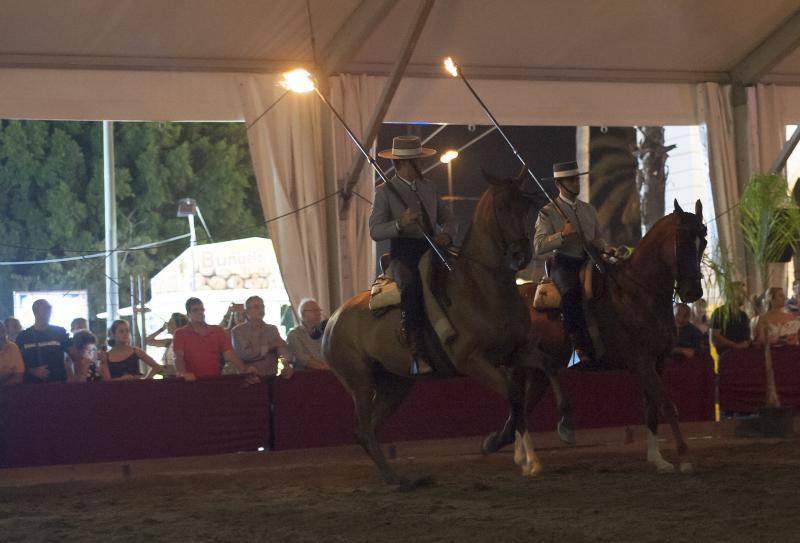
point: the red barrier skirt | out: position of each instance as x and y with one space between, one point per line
313 410
97 422
125 420
743 378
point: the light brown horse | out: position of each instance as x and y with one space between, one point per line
635 317
490 317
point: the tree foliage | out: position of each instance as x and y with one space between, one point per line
51 198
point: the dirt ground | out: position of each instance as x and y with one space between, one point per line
742 490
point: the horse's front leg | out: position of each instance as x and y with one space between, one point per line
655 399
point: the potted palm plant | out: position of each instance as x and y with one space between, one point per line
770 221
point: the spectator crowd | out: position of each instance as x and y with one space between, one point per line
770 318
44 353
245 343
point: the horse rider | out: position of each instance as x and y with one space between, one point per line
405 207
570 240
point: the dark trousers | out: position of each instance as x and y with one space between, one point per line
565 275
405 254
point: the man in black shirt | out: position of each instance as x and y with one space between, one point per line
44 348
690 340
730 326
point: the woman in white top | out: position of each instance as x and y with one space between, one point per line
776 325
177 320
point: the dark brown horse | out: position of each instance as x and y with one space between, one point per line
491 319
635 317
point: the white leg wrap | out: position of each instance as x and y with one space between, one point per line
532 466
519 450
654 455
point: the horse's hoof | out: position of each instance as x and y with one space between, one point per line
490 444
686 467
409 486
664 467
565 432
531 470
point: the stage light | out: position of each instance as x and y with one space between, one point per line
298 81
448 156
450 66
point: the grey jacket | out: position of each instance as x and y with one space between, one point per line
550 223
387 209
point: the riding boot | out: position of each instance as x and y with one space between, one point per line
419 361
584 350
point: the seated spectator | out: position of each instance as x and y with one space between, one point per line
793 303
46 349
85 344
198 347
121 362
700 316
690 340
777 326
78 324
259 344
13 328
304 348
12 368
175 321
730 326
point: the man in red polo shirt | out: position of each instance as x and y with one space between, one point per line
198 345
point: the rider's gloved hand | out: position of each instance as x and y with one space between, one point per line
408 220
443 239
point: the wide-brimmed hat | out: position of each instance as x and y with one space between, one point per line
406 148
563 170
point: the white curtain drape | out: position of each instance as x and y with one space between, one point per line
767 136
716 112
286 149
766 126
355 97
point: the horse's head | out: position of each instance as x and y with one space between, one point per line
690 243
504 210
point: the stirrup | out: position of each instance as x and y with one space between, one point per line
419 367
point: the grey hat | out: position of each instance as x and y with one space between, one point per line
406 148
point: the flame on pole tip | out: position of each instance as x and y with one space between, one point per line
450 66
298 80
448 156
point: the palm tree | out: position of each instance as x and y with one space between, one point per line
770 220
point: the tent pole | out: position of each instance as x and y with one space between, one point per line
109 191
786 152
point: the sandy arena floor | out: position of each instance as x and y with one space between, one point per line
743 490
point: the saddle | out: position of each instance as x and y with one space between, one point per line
385 294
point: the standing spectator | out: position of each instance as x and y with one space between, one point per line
700 316
306 350
233 318
730 326
13 328
690 339
122 361
776 325
793 303
12 368
198 346
259 344
77 325
45 349
176 320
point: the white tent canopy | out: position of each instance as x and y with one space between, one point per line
559 62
